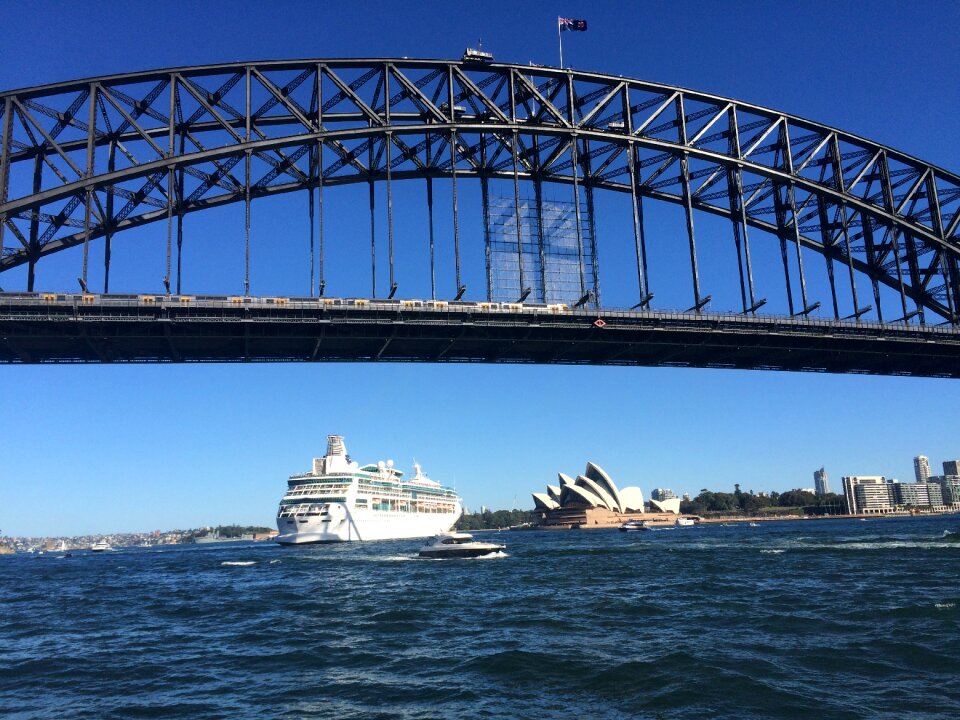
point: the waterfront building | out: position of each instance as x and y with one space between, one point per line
949 488
662 494
921 468
821 486
920 495
867 494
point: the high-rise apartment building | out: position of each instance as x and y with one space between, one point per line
918 494
662 494
867 494
949 488
921 468
821 486
951 468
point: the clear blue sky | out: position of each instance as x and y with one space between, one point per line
102 448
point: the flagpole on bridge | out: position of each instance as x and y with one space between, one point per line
560 39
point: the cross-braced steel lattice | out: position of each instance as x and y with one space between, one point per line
88 159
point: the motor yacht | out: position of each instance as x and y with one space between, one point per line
100 546
684 522
633 525
458 545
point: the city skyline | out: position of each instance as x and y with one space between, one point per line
109 449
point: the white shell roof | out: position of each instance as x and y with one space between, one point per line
596 473
605 497
632 498
583 495
542 501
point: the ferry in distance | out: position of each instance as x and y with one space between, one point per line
340 501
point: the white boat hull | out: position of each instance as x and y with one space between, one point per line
346 525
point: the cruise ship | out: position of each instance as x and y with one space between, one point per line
340 501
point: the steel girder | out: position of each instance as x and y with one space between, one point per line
91 158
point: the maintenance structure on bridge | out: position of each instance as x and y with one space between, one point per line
85 160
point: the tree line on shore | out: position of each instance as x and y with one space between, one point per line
493 519
796 502
228 531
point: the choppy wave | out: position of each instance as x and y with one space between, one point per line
846 620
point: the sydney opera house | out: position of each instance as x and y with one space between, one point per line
593 499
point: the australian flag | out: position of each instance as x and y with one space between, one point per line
569 24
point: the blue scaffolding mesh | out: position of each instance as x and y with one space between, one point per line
557 262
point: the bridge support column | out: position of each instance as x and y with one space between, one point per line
591 225
34 241
639 236
108 222
794 220
246 229
954 281
516 199
739 221
433 274
871 260
310 215
373 234
453 188
485 200
893 233
828 239
389 141
538 193
90 171
5 163
781 236
323 281
688 205
738 215
575 169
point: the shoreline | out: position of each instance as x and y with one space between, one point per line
739 519
861 516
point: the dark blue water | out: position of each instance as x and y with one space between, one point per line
815 619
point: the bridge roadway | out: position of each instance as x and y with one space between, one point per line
69 328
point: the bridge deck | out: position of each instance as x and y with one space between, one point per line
53 328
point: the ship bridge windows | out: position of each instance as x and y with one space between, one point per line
290 508
316 488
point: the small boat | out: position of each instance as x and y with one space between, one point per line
753 524
684 522
458 545
633 525
100 546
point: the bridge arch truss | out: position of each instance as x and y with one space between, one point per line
88 159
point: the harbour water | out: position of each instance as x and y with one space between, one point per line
825 619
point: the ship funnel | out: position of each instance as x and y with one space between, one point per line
336 446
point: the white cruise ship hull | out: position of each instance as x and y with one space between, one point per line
342 524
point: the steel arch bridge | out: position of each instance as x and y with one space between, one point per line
84 160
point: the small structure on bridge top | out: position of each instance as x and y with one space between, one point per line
594 500
477 54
